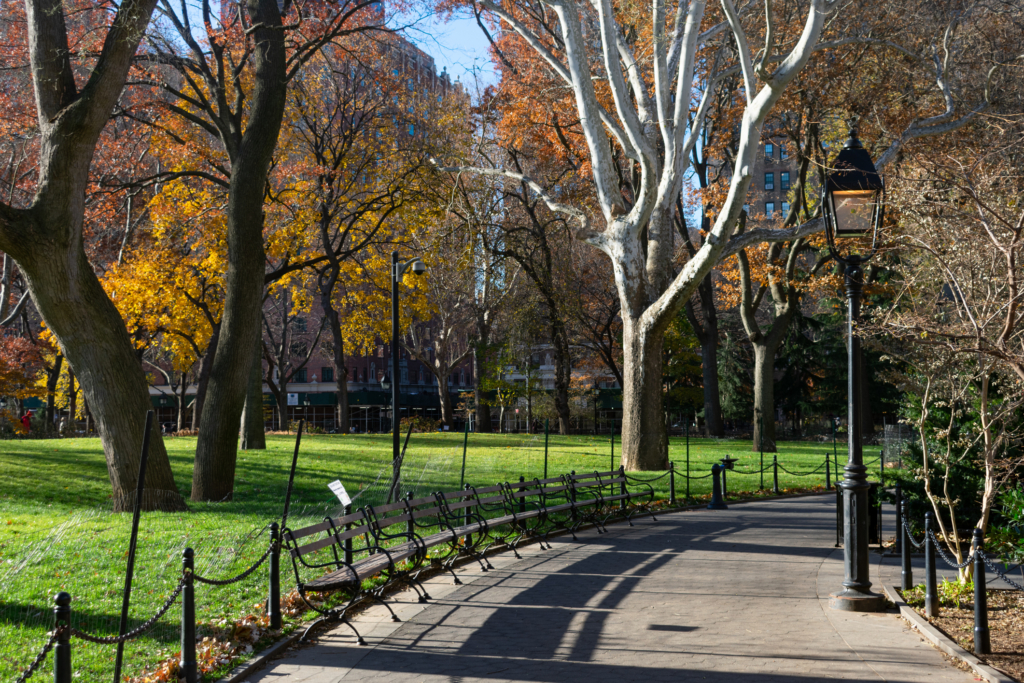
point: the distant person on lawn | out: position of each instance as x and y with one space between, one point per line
26 421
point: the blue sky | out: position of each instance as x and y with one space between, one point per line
458 45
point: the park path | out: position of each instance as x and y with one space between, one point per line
734 595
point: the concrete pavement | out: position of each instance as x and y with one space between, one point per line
734 595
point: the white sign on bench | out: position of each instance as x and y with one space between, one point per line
339 490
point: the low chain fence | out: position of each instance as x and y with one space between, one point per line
183 589
59 640
932 547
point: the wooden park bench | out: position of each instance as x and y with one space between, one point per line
403 539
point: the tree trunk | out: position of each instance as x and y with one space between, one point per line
72 401
343 422
563 374
203 382
254 436
213 477
52 377
706 329
182 398
281 397
483 409
713 422
764 397
447 414
94 340
340 371
644 442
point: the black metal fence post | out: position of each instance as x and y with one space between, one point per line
687 470
622 487
348 541
881 466
828 474
671 483
775 474
465 519
982 643
898 494
545 449
189 669
274 598
931 592
62 647
907 575
410 527
572 494
717 503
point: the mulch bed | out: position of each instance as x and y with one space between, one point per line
1005 623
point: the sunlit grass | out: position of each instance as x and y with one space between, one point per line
56 532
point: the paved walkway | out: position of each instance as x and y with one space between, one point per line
736 595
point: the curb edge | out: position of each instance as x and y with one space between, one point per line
943 642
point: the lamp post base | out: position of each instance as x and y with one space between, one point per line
855 601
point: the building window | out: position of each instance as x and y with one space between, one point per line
769 151
326 374
355 374
784 181
769 181
372 377
785 208
462 377
300 375
769 209
405 375
783 154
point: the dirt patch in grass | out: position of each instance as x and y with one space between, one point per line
1005 623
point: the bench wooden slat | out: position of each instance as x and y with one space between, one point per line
492 500
326 526
332 539
391 521
428 512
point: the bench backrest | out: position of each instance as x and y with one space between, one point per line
335 532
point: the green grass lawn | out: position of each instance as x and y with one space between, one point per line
56 531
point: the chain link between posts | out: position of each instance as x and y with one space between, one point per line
991 565
949 560
41 657
638 480
910 535
240 577
816 470
142 628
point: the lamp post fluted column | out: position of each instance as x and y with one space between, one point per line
396 466
856 595
398 269
853 206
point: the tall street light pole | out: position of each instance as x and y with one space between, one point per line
853 207
398 269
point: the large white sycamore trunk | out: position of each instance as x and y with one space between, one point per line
652 124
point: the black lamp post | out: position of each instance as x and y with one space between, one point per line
853 205
398 269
